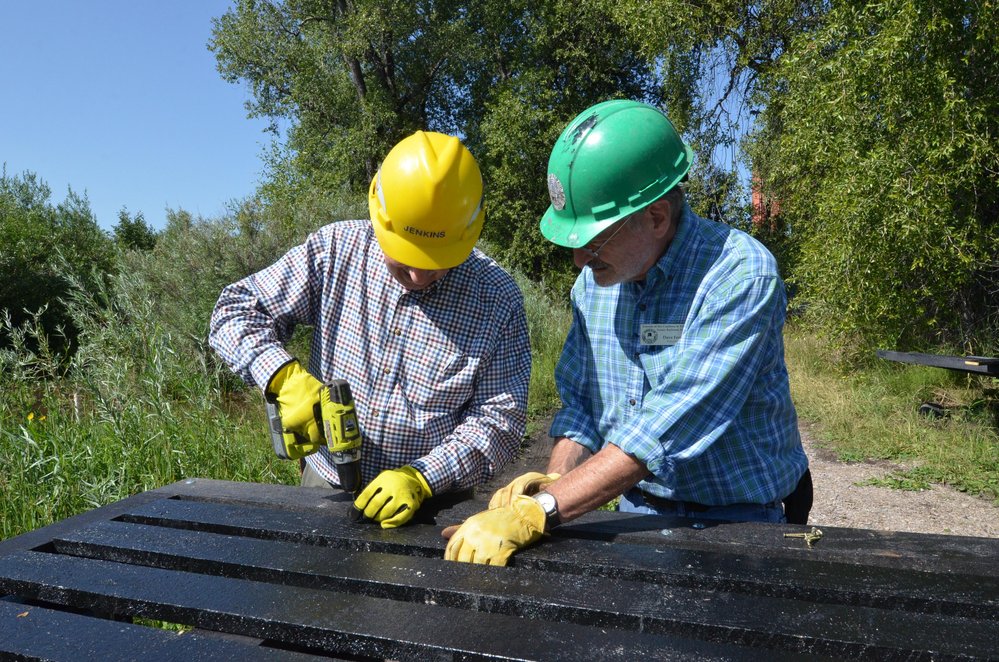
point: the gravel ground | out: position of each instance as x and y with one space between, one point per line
839 500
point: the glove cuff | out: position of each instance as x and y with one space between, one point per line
415 474
531 512
281 376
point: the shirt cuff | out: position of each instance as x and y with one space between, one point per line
635 441
267 363
430 473
569 424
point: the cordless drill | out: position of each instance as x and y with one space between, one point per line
340 432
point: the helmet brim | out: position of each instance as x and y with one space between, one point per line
571 232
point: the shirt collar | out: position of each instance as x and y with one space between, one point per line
435 287
667 263
429 292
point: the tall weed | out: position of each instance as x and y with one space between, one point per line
144 402
127 414
548 324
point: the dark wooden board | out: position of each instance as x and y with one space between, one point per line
34 632
283 570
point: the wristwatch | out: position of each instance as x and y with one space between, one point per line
550 506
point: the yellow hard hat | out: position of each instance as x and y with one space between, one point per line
426 202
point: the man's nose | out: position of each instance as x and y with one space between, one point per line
581 257
420 276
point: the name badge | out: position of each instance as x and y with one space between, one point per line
660 334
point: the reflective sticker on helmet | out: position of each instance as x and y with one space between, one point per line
475 213
556 192
378 189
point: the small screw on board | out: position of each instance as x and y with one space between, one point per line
811 537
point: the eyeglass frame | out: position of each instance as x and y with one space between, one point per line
596 253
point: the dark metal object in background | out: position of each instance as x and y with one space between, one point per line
983 365
274 572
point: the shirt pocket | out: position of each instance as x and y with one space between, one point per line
439 378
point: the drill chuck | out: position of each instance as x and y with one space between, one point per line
349 473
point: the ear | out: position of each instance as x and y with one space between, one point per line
661 213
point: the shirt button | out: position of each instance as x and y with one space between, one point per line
385 371
374 412
631 402
397 332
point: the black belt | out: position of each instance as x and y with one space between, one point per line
660 502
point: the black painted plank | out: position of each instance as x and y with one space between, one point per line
32 539
806 575
891 549
618 604
977 364
325 621
33 632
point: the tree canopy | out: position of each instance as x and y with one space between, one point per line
879 140
874 129
356 77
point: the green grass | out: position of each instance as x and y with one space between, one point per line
871 412
56 466
913 480
133 410
137 408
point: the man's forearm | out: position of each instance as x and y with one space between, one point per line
566 455
595 481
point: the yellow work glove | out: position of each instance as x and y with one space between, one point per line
529 484
490 537
298 401
394 496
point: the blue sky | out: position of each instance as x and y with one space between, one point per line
120 99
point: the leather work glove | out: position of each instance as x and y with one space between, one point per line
393 497
298 401
529 484
490 537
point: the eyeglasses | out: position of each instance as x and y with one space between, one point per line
594 253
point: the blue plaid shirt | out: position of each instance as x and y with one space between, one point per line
711 415
439 377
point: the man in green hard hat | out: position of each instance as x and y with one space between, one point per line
674 389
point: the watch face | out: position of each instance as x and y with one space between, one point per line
547 502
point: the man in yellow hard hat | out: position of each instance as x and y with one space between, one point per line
428 331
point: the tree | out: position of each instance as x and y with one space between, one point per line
133 232
542 64
355 77
880 144
41 245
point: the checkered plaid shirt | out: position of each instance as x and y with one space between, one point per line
439 377
711 415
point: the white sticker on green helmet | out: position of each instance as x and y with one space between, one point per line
556 192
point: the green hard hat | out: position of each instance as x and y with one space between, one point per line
614 159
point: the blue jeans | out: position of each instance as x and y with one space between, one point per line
632 501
